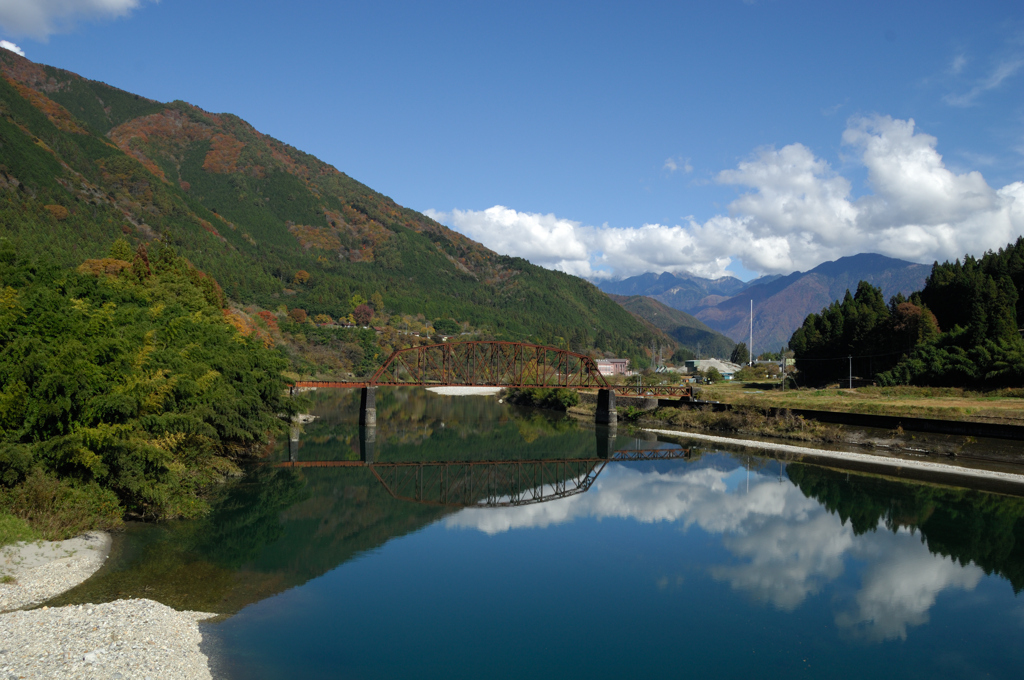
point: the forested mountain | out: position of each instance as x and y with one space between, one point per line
960 330
82 163
685 329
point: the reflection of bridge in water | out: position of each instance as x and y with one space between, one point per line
492 483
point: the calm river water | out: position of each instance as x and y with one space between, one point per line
569 564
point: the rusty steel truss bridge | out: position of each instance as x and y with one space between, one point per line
494 364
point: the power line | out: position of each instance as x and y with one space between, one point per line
855 356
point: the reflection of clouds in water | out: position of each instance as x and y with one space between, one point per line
789 559
790 547
695 497
901 584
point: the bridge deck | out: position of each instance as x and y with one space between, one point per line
620 390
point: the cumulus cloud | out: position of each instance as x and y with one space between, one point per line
796 213
7 45
41 18
593 252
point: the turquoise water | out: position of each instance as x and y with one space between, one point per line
712 564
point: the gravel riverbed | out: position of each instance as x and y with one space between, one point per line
135 639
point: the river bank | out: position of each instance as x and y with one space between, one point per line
135 638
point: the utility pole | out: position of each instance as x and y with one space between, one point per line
750 347
851 371
783 367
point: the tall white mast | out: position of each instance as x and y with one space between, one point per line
750 347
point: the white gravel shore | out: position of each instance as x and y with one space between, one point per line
121 639
465 391
40 570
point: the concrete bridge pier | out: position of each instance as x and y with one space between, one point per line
293 443
605 440
606 413
367 443
368 406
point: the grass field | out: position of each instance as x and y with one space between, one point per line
14 529
944 403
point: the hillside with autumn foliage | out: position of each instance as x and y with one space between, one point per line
83 163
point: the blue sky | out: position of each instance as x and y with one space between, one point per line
608 139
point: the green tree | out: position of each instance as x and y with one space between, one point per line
740 354
121 250
446 326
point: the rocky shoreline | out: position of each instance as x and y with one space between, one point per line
120 639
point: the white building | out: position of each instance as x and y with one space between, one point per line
726 368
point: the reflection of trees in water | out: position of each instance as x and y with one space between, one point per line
246 518
413 424
274 530
967 526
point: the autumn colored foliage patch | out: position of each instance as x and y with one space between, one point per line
59 212
57 114
268 318
223 154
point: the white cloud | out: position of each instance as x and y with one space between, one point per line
41 18
1000 73
673 164
7 45
571 247
798 213
956 67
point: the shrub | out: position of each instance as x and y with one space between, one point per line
559 399
59 510
446 327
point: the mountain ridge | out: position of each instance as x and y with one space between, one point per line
689 331
85 163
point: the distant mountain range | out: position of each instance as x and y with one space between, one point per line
781 303
684 328
680 291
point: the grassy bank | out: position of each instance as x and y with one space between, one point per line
14 529
942 403
741 420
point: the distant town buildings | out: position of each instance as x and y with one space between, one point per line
613 366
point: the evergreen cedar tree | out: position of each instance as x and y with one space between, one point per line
961 330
